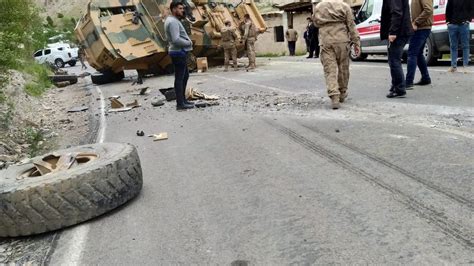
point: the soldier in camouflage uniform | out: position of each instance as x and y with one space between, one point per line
336 34
229 39
250 37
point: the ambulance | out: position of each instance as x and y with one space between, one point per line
368 25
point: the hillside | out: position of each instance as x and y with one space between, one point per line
70 8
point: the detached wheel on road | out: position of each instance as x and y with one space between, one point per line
101 78
354 57
59 63
67 187
60 78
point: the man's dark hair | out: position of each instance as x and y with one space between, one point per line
174 4
247 16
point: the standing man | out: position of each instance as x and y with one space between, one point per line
306 38
250 37
395 26
337 31
291 37
81 53
179 46
458 15
229 38
313 34
422 20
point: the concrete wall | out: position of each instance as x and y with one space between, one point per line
266 42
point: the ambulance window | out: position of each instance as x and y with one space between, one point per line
366 10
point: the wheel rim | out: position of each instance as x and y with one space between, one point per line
426 51
59 63
54 163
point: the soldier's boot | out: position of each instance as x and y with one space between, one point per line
335 102
343 96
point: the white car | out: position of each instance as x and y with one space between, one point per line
368 25
57 55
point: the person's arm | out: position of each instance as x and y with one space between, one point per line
296 36
176 39
287 34
426 14
396 16
351 27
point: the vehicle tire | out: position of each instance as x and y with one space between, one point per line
354 57
60 78
428 53
72 63
33 205
106 77
59 63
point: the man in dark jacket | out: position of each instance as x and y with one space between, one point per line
458 15
396 28
313 35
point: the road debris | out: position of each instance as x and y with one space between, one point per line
201 64
118 106
194 94
78 109
157 102
140 133
160 136
169 93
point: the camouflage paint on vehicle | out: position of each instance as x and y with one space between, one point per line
130 34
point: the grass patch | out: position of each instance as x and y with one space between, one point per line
7 117
41 81
34 138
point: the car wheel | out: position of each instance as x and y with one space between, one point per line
59 63
354 57
67 187
428 52
72 63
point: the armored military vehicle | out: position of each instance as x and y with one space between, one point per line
129 34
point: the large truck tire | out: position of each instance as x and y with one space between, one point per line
36 204
100 78
61 78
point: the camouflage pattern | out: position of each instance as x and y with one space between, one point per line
129 34
335 60
229 41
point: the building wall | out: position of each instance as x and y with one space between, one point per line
266 42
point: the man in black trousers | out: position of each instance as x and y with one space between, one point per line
313 37
396 27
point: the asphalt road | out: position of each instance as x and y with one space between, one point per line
273 176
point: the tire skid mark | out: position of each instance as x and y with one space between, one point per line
449 227
433 187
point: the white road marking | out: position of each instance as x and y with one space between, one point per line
78 238
369 66
103 124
